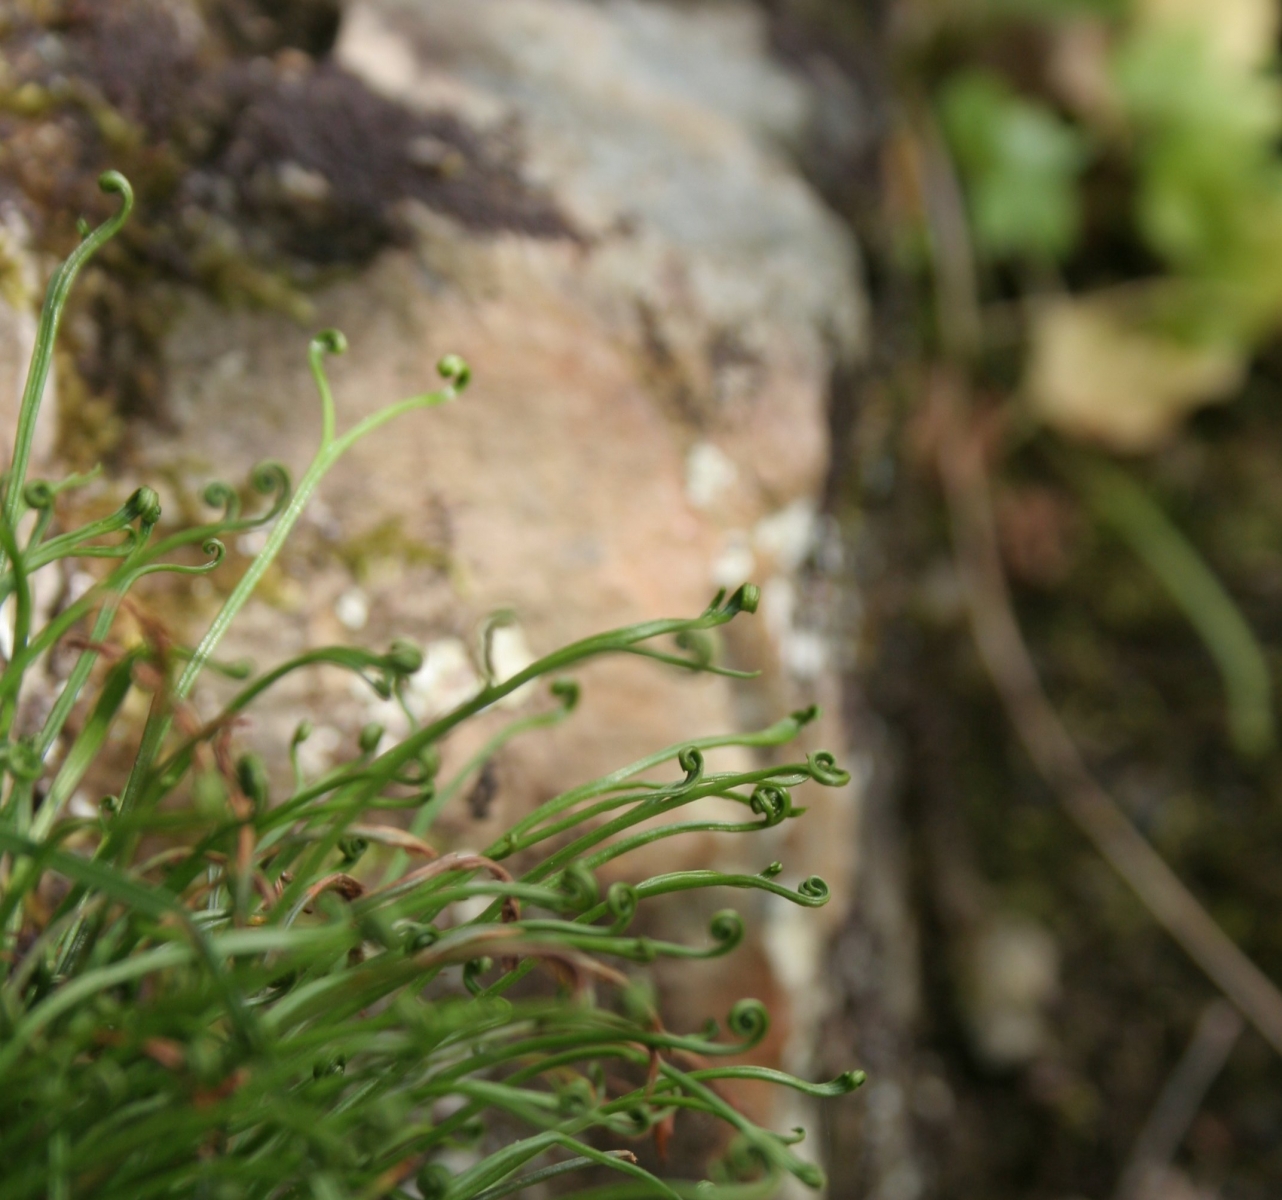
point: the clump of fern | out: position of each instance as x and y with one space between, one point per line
205 992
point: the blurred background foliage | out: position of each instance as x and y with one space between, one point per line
1072 212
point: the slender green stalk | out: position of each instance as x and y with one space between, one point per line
47 330
209 992
1127 508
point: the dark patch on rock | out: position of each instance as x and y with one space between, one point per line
321 164
136 56
481 798
269 26
256 177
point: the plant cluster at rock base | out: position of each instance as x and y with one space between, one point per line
210 991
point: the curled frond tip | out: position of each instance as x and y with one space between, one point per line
143 505
115 183
329 341
455 371
567 691
824 769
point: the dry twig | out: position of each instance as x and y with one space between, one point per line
1213 1040
1006 657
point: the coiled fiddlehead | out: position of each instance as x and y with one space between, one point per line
416 937
743 1159
745 598
580 887
621 901
143 506
326 342
352 848
40 494
568 692
270 478
634 1121
576 1097
815 889
726 928
823 769
363 974
803 716
771 801
455 371
473 969
403 658
218 494
690 760
749 1020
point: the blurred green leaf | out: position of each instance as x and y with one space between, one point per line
1020 163
1210 187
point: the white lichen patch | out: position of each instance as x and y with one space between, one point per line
78 583
509 655
787 536
251 544
710 473
81 807
352 609
447 678
804 652
735 562
778 606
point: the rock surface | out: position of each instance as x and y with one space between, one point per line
647 420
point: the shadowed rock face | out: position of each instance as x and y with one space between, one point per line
652 319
